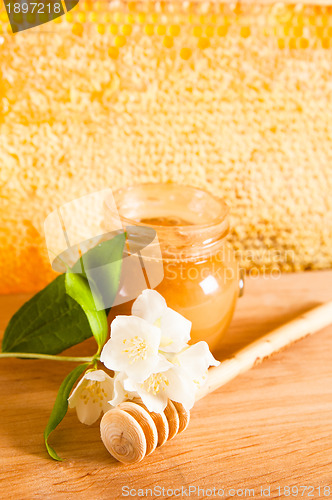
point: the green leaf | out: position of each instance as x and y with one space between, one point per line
61 406
102 267
78 288
48 323
52 320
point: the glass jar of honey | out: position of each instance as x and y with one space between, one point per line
200 273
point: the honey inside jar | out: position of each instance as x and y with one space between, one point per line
197 272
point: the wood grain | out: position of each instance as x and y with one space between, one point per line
270 427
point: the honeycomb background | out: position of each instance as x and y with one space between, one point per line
234 98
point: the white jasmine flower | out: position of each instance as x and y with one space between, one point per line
120 394
132 348
195 360
175 329
91 395
150 355
155 391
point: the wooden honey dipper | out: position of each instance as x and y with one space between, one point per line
130 431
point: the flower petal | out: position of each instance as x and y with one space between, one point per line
107 388
132 348
119 392
196 359
75 395
97 375
180 387
154 402
106 405
90 396
89 412
175 331
150 306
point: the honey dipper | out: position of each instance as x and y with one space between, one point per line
130 431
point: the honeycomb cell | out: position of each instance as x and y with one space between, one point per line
93 17
193 19
149 29
203 43
120 41
185 53
113 52
161 30
245 31
209 31
222 30
320 31
141 18
85 5
151 6
126 29
325 43
77 29
304 43
174 30
287 30
114 29
324 20
281 43
81 17
192 6
98 6
107 18
69 17
17 18
130 19
300 20
101 29
118 17
163 6
197 31
168 42
132 6
298 31
31 18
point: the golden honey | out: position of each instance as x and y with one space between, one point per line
200 273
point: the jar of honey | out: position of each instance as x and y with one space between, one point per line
200 276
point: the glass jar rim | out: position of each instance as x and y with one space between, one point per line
218 219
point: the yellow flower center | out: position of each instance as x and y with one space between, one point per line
95 392
137 348
156 382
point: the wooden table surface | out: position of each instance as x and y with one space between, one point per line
270 428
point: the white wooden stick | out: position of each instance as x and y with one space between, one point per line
302 326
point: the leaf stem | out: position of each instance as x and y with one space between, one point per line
31 355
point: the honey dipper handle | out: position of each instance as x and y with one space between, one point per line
306 324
